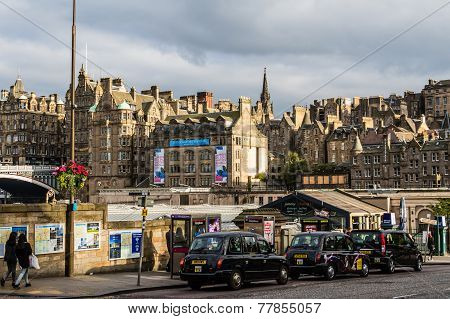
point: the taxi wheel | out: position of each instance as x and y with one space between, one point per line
283 276
236 281
390 267
194 285
419 264
330 272
365 269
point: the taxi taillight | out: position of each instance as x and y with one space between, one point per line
182 263
219 263
383 244
318 256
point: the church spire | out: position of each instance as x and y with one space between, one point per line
265 95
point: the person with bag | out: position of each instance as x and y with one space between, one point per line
23 253
10 258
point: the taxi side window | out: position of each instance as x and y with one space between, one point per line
329 243
341 243
349 244
264 247
250 246
235 245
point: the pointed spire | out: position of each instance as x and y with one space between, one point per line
265 95
357 147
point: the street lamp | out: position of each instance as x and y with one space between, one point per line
70 210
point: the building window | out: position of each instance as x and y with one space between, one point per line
396 184
396 171
424 157
434 157
367 173
189 155
261 200
355 160
434 170
376 159
376 172
174 156
424 171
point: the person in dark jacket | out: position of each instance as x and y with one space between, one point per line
23 253
430 244
10 258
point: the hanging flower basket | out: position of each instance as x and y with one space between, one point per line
71 177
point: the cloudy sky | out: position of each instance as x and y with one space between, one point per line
223 45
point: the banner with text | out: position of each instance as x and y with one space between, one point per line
159 174
220 161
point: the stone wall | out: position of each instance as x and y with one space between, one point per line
89 261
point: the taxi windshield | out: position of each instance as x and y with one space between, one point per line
206 245
306 241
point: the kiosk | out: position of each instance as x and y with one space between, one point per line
178 240
263 225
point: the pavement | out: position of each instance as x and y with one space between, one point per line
98 285
433 282
438 260
122 283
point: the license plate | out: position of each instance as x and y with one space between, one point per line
359 263
377 260
300 256
199 262
366 252
299 261
198 269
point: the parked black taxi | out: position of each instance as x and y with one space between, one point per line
388 249
325 254
233 258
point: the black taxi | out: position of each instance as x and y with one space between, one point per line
325 254
233 258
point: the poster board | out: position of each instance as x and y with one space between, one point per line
87 235
124 244
48 239
159 173
214 224
220 163
198 226
269 231
4 235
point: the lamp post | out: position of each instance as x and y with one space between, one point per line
70 211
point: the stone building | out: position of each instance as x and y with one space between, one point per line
436 96
339 144
201 150
121 125
393 162
31 128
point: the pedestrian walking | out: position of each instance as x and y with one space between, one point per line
23 252
10 258
430 244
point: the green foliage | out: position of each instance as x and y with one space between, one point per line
293 166
328 168
442 208
261 176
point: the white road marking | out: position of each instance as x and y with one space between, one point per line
404 296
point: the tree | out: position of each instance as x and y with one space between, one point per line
442 208
293 166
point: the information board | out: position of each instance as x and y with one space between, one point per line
4 235
87 236
48 239
124 244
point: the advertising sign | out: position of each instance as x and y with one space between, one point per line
388 219
269 231
189 142
87 236
198 226
220 161
48 239
4 235
213 224
159 174
124 244
254 224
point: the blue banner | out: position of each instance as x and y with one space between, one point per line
136 243
196 142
